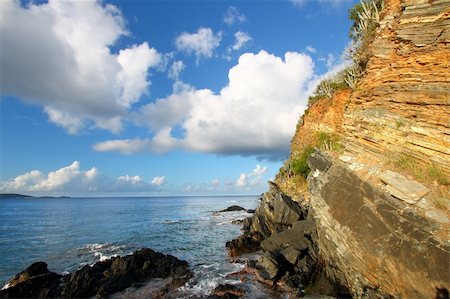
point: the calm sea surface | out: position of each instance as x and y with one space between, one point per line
67 233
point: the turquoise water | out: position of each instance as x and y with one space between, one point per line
68 233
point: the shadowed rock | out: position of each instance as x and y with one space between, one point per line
101 279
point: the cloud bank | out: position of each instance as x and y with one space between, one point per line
71 179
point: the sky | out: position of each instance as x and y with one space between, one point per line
157 97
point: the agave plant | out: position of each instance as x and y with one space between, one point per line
351 76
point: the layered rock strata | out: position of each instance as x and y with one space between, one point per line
350 238
402 103
371 242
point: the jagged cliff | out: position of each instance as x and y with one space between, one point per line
372 220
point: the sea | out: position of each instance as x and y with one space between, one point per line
68 233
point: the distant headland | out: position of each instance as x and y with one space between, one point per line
18 196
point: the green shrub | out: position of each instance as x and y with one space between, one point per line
328 87
299 163
328 141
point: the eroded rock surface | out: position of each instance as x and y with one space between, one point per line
371 242
402 103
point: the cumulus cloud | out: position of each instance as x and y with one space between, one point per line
66 177
251 179
71 179
201 43
233 15
255 114
158 180
241 39
57 55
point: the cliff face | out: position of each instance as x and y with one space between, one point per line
402 103
365 229
326 115
371 242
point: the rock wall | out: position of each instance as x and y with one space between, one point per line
350 238
370 242
402 103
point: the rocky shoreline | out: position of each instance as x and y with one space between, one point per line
282 232
102 279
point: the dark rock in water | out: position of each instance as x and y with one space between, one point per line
34 282
250 211
118 273
101 279
233 209
242 244
227 291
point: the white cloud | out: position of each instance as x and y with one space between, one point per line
191 188
161 143
130 179
215 183
176 68
67 177
158 180
132 79
233 15
330 60
201 44
241 39
311 49
57 55
255 114
242 180
251 179
71 179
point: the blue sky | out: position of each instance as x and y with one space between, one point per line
158 97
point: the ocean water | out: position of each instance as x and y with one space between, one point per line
68 233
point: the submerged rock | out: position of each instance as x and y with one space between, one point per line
101 279
233 208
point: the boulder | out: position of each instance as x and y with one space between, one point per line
242 244
36 281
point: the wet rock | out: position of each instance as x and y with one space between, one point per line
227 291
233 208
36 281
242 244
101 279
119 273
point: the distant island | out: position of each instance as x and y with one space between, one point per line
16 195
